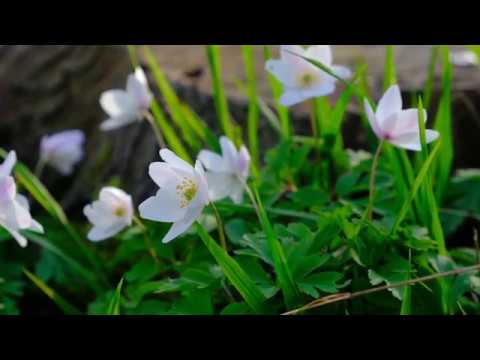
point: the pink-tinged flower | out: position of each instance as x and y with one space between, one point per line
14 208
396 126
182 196
302 80
226 174
109 215
63 150
127 106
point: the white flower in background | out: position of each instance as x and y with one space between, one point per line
109 215
464 58
182 196
127 106
301 79
356 157
14 209
226 174
398 127
63 150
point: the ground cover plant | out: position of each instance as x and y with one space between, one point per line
306 227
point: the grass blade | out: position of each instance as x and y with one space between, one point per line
171 100
284 275
431 208
443 124
64 305
114 305
276 87
173 141
221 104
416 186
253 108
198 126
390 77
232 270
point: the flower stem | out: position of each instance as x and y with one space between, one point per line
373 175
221 232
148 240
158 133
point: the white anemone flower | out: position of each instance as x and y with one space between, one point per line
182 196
301 79
63 150
226 174
399 127
109 215
127 106
14 208
464 58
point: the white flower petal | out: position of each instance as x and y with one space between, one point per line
321 53
292 97
342 71
408 141
21 240
229 153
391 103
36 227
408 121
282 71
100 214
7 166
243 162
180 227
174 161
101 233
163 207
137 88
236 193
118 121
212 161
325 88
117 102
219 185
372 119
8 189
287 56
162 174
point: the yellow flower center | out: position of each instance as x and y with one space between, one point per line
120 212
187 190
306 79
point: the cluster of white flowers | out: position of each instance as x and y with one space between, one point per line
185 190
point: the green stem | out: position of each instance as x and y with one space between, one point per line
221 232
158 133
373 175
148 240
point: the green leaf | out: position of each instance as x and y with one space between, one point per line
63 304
326 282
221 104
284 275
416 186
114 305
237 276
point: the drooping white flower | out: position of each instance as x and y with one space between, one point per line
464 58
127 106
14 208
395 125
63 150
109 215
226 174
301 79
182 196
